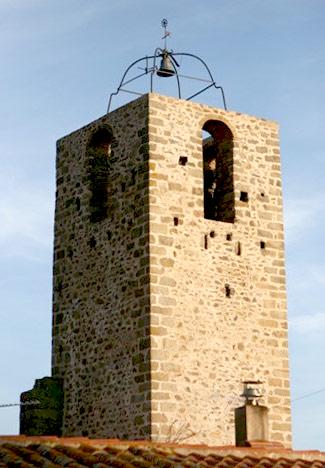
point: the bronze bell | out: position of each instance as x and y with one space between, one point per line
166 66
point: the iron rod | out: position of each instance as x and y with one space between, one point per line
123 77
194 78
131 92
199 92
223 96
135 78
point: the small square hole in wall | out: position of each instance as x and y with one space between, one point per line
243 197
262 245
262 194
176 221
227 290
92 242
205 241
229 237
212 234
182 160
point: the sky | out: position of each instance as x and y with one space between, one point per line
60 60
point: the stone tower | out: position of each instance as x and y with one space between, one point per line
169 273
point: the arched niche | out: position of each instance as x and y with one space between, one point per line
217 147
98 151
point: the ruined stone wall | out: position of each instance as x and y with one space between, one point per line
218 299
101 280
159 313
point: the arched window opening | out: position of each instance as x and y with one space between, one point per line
217 143
98 152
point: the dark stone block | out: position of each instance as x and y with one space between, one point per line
42 408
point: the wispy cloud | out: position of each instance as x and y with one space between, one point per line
26 217
319 275
52 20
302 215
308 323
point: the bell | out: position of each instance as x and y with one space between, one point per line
166 67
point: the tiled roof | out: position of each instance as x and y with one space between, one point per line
79 452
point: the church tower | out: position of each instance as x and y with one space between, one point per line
169 270
169 273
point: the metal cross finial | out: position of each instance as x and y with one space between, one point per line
164 24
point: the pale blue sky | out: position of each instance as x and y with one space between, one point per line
60 59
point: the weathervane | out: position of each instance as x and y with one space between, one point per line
164 24
168 62
168 67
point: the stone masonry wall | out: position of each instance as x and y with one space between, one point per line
159 314
218 299
101 282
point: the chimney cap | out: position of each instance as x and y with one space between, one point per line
252 392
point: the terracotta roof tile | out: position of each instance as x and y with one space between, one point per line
79 452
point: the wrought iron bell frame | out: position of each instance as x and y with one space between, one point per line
153 69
